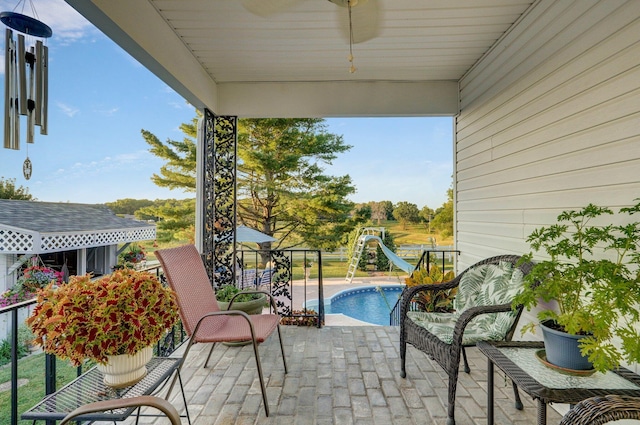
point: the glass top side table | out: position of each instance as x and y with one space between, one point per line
519 362
89 388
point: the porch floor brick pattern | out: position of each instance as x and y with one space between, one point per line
338 375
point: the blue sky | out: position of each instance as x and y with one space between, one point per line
100 98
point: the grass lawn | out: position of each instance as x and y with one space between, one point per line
30 369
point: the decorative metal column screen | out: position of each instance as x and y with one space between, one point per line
219 192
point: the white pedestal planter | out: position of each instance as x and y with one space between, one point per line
124 370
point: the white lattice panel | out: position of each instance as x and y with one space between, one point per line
57 242
15 241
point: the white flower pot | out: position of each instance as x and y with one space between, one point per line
124 370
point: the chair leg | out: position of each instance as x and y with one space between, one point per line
206 362
467 369
259 367
516 394
284 359
453 383
403 359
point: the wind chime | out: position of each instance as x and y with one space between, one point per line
26 80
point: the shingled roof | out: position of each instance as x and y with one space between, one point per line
38 227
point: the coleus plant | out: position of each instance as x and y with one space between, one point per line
120 313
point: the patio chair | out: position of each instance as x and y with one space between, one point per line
147 400
201 317
482 312
265 278
602 409
246 278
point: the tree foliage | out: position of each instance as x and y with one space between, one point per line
9 190
406 212
179 171
426 214
443 220
128 205
176 219
378 211
282 189
382 262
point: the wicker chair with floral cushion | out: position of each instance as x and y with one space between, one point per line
602 409
482 312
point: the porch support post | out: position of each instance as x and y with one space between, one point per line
219 197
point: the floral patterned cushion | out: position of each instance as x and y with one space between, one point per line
488 284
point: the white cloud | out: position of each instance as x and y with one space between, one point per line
68 110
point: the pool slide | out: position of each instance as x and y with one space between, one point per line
392 256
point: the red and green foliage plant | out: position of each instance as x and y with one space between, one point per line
120 313
438 301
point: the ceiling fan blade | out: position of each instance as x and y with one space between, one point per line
365 19
267 7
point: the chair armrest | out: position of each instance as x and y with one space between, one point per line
470 313
147 400
602 409
410 292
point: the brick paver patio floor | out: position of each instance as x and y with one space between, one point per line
338 375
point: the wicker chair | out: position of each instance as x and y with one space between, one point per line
147 400
446 354
602 409
201 316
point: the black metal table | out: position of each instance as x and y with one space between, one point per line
89 388
518 361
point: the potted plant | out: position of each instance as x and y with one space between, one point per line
250 303
32 278
591 275
107 320
133 256
435 301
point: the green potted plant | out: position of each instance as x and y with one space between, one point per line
110 319
436 301
250 303
590 278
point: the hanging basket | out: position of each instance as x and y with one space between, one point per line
125 370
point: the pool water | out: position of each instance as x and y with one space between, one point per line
364 303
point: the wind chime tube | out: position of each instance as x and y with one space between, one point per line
33 108
22 72
15 114
44 108
38 83
7 89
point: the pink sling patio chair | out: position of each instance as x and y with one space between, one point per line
202 318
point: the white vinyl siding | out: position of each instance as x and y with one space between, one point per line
549 120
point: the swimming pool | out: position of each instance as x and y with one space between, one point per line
364 303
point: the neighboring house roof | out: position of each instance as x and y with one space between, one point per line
38 227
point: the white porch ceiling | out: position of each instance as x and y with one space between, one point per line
199 46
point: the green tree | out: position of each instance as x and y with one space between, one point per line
388 208
8 190
282 189
443 220
378 211
179 172
426 215
128 205
175 219
406 212
382 262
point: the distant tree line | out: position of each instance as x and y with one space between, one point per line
439 221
